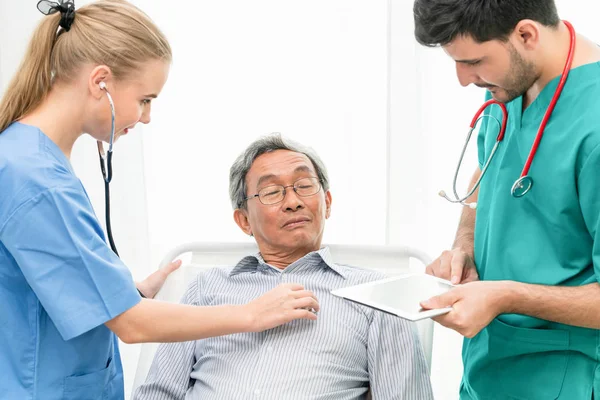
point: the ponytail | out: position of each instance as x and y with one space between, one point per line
114 33
32 82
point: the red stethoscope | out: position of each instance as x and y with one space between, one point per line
525 182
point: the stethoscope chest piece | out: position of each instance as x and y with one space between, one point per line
522 186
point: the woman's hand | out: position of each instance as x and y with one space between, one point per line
281 305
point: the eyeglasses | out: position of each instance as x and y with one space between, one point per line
276 193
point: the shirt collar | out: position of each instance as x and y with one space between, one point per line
256 262
53 148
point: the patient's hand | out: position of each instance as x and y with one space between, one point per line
152 284
455 265
281 305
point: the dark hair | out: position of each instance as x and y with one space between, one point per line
439 22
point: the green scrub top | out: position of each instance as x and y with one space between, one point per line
550 236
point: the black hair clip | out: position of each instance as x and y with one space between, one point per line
66 8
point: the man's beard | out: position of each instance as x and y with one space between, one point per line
521 77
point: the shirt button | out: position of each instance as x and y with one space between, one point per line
257 392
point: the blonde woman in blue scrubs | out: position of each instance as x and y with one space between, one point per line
528 263
64 295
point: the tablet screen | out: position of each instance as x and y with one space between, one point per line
404 293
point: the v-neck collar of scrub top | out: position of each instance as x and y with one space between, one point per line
540 104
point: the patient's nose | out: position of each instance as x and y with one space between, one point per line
292 201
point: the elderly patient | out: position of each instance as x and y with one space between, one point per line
280 193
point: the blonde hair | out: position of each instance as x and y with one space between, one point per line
114 33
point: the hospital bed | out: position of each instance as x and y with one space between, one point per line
390 260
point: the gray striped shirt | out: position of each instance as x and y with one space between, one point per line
347 351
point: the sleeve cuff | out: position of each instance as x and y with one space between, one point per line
97 314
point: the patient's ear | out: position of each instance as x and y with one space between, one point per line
241 219
327 204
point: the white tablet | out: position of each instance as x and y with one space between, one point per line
399 295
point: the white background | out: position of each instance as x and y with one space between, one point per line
343 76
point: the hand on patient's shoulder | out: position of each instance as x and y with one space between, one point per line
285 303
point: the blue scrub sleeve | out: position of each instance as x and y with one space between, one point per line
56 240
588 183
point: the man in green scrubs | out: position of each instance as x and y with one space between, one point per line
529 300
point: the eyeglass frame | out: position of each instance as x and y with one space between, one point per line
320 182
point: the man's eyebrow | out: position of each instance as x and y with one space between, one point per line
265 178
302 168
469 60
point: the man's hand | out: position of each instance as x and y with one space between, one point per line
152 284
474 306
455 265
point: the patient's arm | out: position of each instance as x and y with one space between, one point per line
169 375
397 366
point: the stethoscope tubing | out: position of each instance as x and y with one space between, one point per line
107 173
524 183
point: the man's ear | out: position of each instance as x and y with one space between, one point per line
327 204
527 34
241 219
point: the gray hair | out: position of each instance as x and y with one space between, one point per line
267 144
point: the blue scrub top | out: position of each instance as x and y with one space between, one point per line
550 236
59 282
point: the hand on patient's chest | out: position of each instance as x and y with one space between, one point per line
339 336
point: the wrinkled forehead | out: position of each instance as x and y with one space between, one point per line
277 166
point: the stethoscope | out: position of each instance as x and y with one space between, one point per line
106 168
522 185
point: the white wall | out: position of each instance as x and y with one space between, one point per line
311 72
345 77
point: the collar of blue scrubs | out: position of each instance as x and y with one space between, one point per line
578 77
46 145
316 259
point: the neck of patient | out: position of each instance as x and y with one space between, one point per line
282 258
